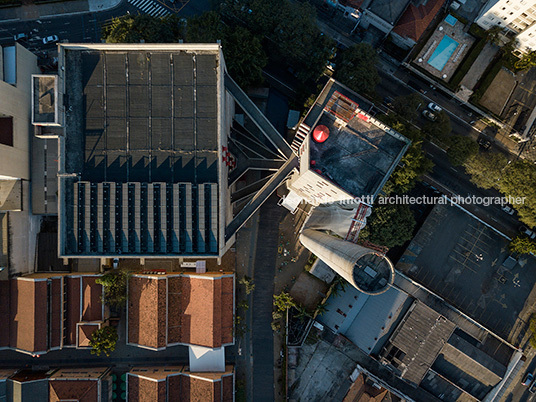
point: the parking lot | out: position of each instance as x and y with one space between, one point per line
461 259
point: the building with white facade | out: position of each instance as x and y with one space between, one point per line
518 16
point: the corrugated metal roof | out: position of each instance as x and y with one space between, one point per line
420 336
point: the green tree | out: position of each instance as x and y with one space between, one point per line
356 68
244 55
485 169
137 28
413 165
519 180
389 225
103 340
439 129
493 35
522 245
283 301
526 61
114 283
407 107
460 149
289 30
248 284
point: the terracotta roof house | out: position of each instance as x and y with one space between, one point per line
415 21
84 385
161 384
44 312
364 389
180 309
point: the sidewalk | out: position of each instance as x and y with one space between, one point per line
37 11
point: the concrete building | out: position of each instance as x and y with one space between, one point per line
345 158
18 65
148 155
517 16
16 68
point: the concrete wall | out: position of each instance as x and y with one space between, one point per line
16 101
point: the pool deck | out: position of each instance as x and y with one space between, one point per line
456 32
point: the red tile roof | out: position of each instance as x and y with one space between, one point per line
415 20
85 332
73 390
28 329
72 285
56 311
199 310
180 385
147 311
33 307
145 390
91 299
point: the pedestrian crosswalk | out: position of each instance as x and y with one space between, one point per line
150 7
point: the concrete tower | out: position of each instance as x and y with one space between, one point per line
366 269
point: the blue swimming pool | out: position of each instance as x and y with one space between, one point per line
442 53
451 20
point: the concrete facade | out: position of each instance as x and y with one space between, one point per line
15 101
517 16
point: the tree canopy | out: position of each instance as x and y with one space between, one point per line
439 129
485 169
244 55
143 27
460 149
413 165
356 68
407 107
283 301
519 180
522 245
289 32
104 341
516 180
389 225
114 284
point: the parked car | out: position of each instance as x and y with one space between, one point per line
484 143
530 233
528 379
434 107
429 115
508 209
20 36
50 39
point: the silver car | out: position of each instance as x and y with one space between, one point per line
50 39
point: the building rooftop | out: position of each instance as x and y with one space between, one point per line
44 311
417 341
416 19
389 10
360 152
44 99
143 124
178 384
365 319
461 260
180 309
